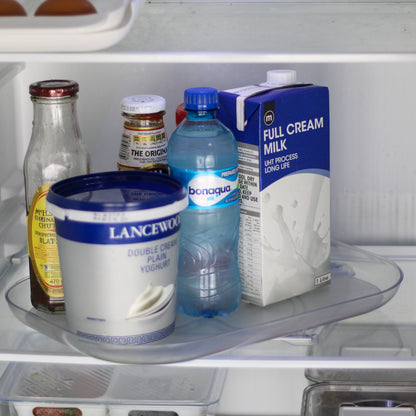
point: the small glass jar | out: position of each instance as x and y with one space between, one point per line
143 142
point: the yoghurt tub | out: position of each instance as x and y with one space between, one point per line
118 243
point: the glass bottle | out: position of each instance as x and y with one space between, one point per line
56 151
143 143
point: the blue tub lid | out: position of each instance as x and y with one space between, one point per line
116 191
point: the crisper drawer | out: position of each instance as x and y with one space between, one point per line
359 400
34 389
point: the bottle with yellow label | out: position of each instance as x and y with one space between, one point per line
56 151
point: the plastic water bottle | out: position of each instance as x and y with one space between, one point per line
203 155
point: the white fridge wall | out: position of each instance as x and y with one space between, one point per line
11 116
371 123
373 144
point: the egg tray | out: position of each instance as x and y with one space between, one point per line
88 32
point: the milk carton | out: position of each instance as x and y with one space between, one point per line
282 129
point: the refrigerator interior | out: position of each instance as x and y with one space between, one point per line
364 53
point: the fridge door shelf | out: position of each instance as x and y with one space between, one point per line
82 33
361 282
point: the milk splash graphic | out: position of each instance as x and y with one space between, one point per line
296 240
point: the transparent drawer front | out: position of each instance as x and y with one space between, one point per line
74 390
359 400
350 341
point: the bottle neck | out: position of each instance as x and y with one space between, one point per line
195 115
52 115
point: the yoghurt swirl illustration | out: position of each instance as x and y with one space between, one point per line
151 300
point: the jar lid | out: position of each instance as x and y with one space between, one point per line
201 99
117 191
54 88
143 104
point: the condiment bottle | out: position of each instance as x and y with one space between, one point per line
143 143
56 151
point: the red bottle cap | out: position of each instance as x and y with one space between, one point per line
54 88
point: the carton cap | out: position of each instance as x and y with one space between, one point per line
281 76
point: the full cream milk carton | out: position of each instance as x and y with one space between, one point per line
282 129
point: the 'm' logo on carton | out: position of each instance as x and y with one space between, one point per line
268 116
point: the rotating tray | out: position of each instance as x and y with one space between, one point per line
361 282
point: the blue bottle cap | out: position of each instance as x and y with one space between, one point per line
201 99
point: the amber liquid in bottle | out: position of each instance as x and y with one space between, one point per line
40 298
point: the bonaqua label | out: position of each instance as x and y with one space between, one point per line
209 189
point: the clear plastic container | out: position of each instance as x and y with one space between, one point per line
97 390
350 340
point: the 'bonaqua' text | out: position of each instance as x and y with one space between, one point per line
144 230
209 191
271 135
